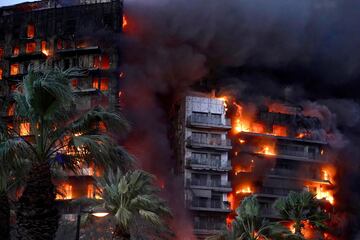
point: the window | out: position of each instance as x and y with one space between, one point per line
199 117
74 83
10 111
65 191
199 157
258 128
102 84
199 137
59 44
102 62
1 53
44 48
1 73
215 118
96 62
279 130
16 51
13 87
105 62
102 126
215 180
30 47
30 31
14 69
24 129
199 179
215 139
90 191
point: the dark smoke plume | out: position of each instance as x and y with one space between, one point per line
300 51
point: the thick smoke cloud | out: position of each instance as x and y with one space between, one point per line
299 51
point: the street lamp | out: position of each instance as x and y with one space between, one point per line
98 212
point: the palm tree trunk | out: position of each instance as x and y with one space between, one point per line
120 234
37 214
4 216
298 227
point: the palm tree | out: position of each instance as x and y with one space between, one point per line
131 198
58 136
248 225
12 171
301 207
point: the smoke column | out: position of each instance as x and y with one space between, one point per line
304 51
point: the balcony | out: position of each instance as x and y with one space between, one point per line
297 174
208 164
220 144
269 213
211 205
215 185
27 56
208 122
78 51
276 192
208 228
285 154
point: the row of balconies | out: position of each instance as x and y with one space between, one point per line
209 142
218 185
311 175
286 154
211 164
276 191
207 227
209 205
208 122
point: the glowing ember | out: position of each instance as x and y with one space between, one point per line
124 23
242 141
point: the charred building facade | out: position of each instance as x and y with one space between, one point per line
279 150
63 34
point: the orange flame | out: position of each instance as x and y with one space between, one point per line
244 190
267 150
124 22
324 194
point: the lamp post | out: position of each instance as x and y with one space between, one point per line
97 212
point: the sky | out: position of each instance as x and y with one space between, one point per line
11 2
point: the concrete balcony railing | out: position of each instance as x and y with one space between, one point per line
296 174
209 205
301 154
269 213
277 191
208 227
209 142
221 186
208 122
208 164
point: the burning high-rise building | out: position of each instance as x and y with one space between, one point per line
264 150
172 44
56 34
